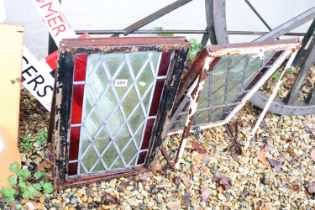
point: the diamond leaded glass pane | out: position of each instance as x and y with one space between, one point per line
224 87
225 83
118 90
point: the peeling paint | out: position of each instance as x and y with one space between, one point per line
59 131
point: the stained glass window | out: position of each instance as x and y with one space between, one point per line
117 87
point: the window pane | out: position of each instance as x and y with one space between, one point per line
115 110
234 72
225 83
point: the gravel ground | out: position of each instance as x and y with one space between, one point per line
276 172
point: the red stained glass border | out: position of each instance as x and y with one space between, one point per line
74 143
80 67
164 64
73 169
156 97
77 102
142 157
147 134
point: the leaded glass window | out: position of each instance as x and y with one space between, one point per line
234 73
111 98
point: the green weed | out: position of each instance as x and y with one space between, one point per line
23 185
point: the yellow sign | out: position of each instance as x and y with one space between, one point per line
11 48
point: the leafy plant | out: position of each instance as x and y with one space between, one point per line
194 48
8 193
276 76
160 29
42 138
12 180
38 187
23 174
48 187
39 174
26 144
18 206
14 167
26 185
289 71
22 185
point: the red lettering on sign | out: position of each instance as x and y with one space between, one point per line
54 20
60 28
49 9
52 17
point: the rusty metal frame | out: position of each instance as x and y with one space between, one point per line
193 82
63 92
216 52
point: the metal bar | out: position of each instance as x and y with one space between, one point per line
311 98
144 31
226 83
185 112
196 87
193 93
289 25
257 14
265 110
204 38
182 31
307 62
167 157
305 41
177 112
155 15
259 33
280 108
219 22
210 30
243 71
269 101
209 93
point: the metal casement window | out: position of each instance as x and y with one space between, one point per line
111 102
228 75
